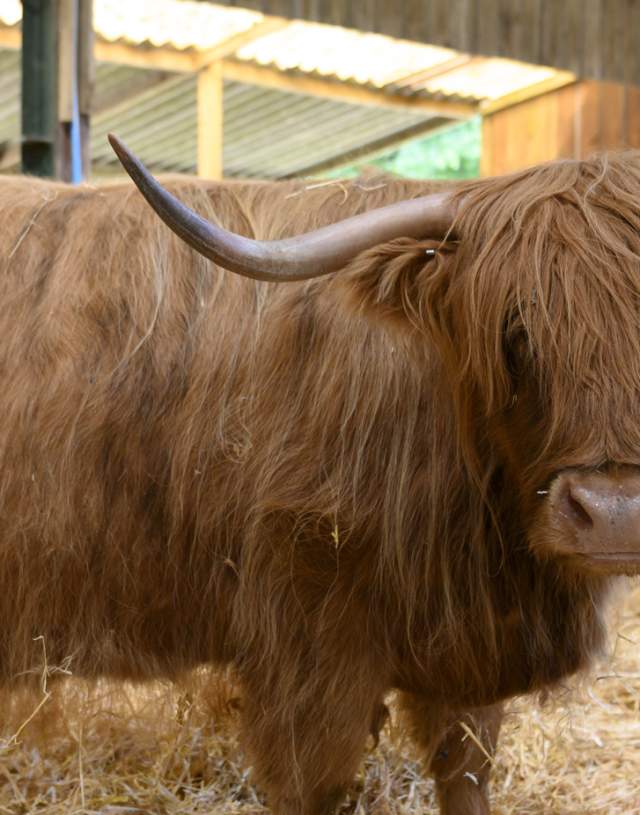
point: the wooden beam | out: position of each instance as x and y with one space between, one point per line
10 38
86 78
67 55
252 74
210 121
75 80
553 83
229 46
87 71
67 73
137 56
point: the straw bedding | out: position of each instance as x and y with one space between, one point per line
74 748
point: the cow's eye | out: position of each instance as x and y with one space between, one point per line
517 353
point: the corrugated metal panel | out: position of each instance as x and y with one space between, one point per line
9 97
293 133
158 123
343 53
183 24
177 23
10 12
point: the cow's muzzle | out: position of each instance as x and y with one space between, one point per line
597 516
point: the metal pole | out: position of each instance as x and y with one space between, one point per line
39 87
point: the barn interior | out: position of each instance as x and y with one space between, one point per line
229 91
277 89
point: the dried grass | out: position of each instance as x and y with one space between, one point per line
160 749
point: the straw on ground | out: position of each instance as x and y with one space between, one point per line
114 749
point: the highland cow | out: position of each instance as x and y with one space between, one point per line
419 473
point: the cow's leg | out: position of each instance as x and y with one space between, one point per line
459 746
306 740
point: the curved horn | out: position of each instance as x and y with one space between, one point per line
310 255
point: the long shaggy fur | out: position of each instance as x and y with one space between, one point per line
334 484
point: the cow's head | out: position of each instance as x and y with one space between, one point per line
538 310
530 287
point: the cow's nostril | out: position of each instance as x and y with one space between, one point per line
577 512
597 514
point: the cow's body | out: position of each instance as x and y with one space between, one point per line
197 468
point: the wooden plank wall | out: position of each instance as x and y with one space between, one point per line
596 39
572 122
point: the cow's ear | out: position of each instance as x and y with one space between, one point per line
397 282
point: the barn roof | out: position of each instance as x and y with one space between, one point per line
298 97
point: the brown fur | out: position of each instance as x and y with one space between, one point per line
334 484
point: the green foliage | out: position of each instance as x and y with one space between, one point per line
451 152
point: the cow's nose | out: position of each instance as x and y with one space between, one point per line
601 512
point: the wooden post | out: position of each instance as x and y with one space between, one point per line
86 79
67 94
210 121
39 87
75 82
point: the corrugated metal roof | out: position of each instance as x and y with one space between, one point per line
343 53
10 12
176 23
9 97
382 62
